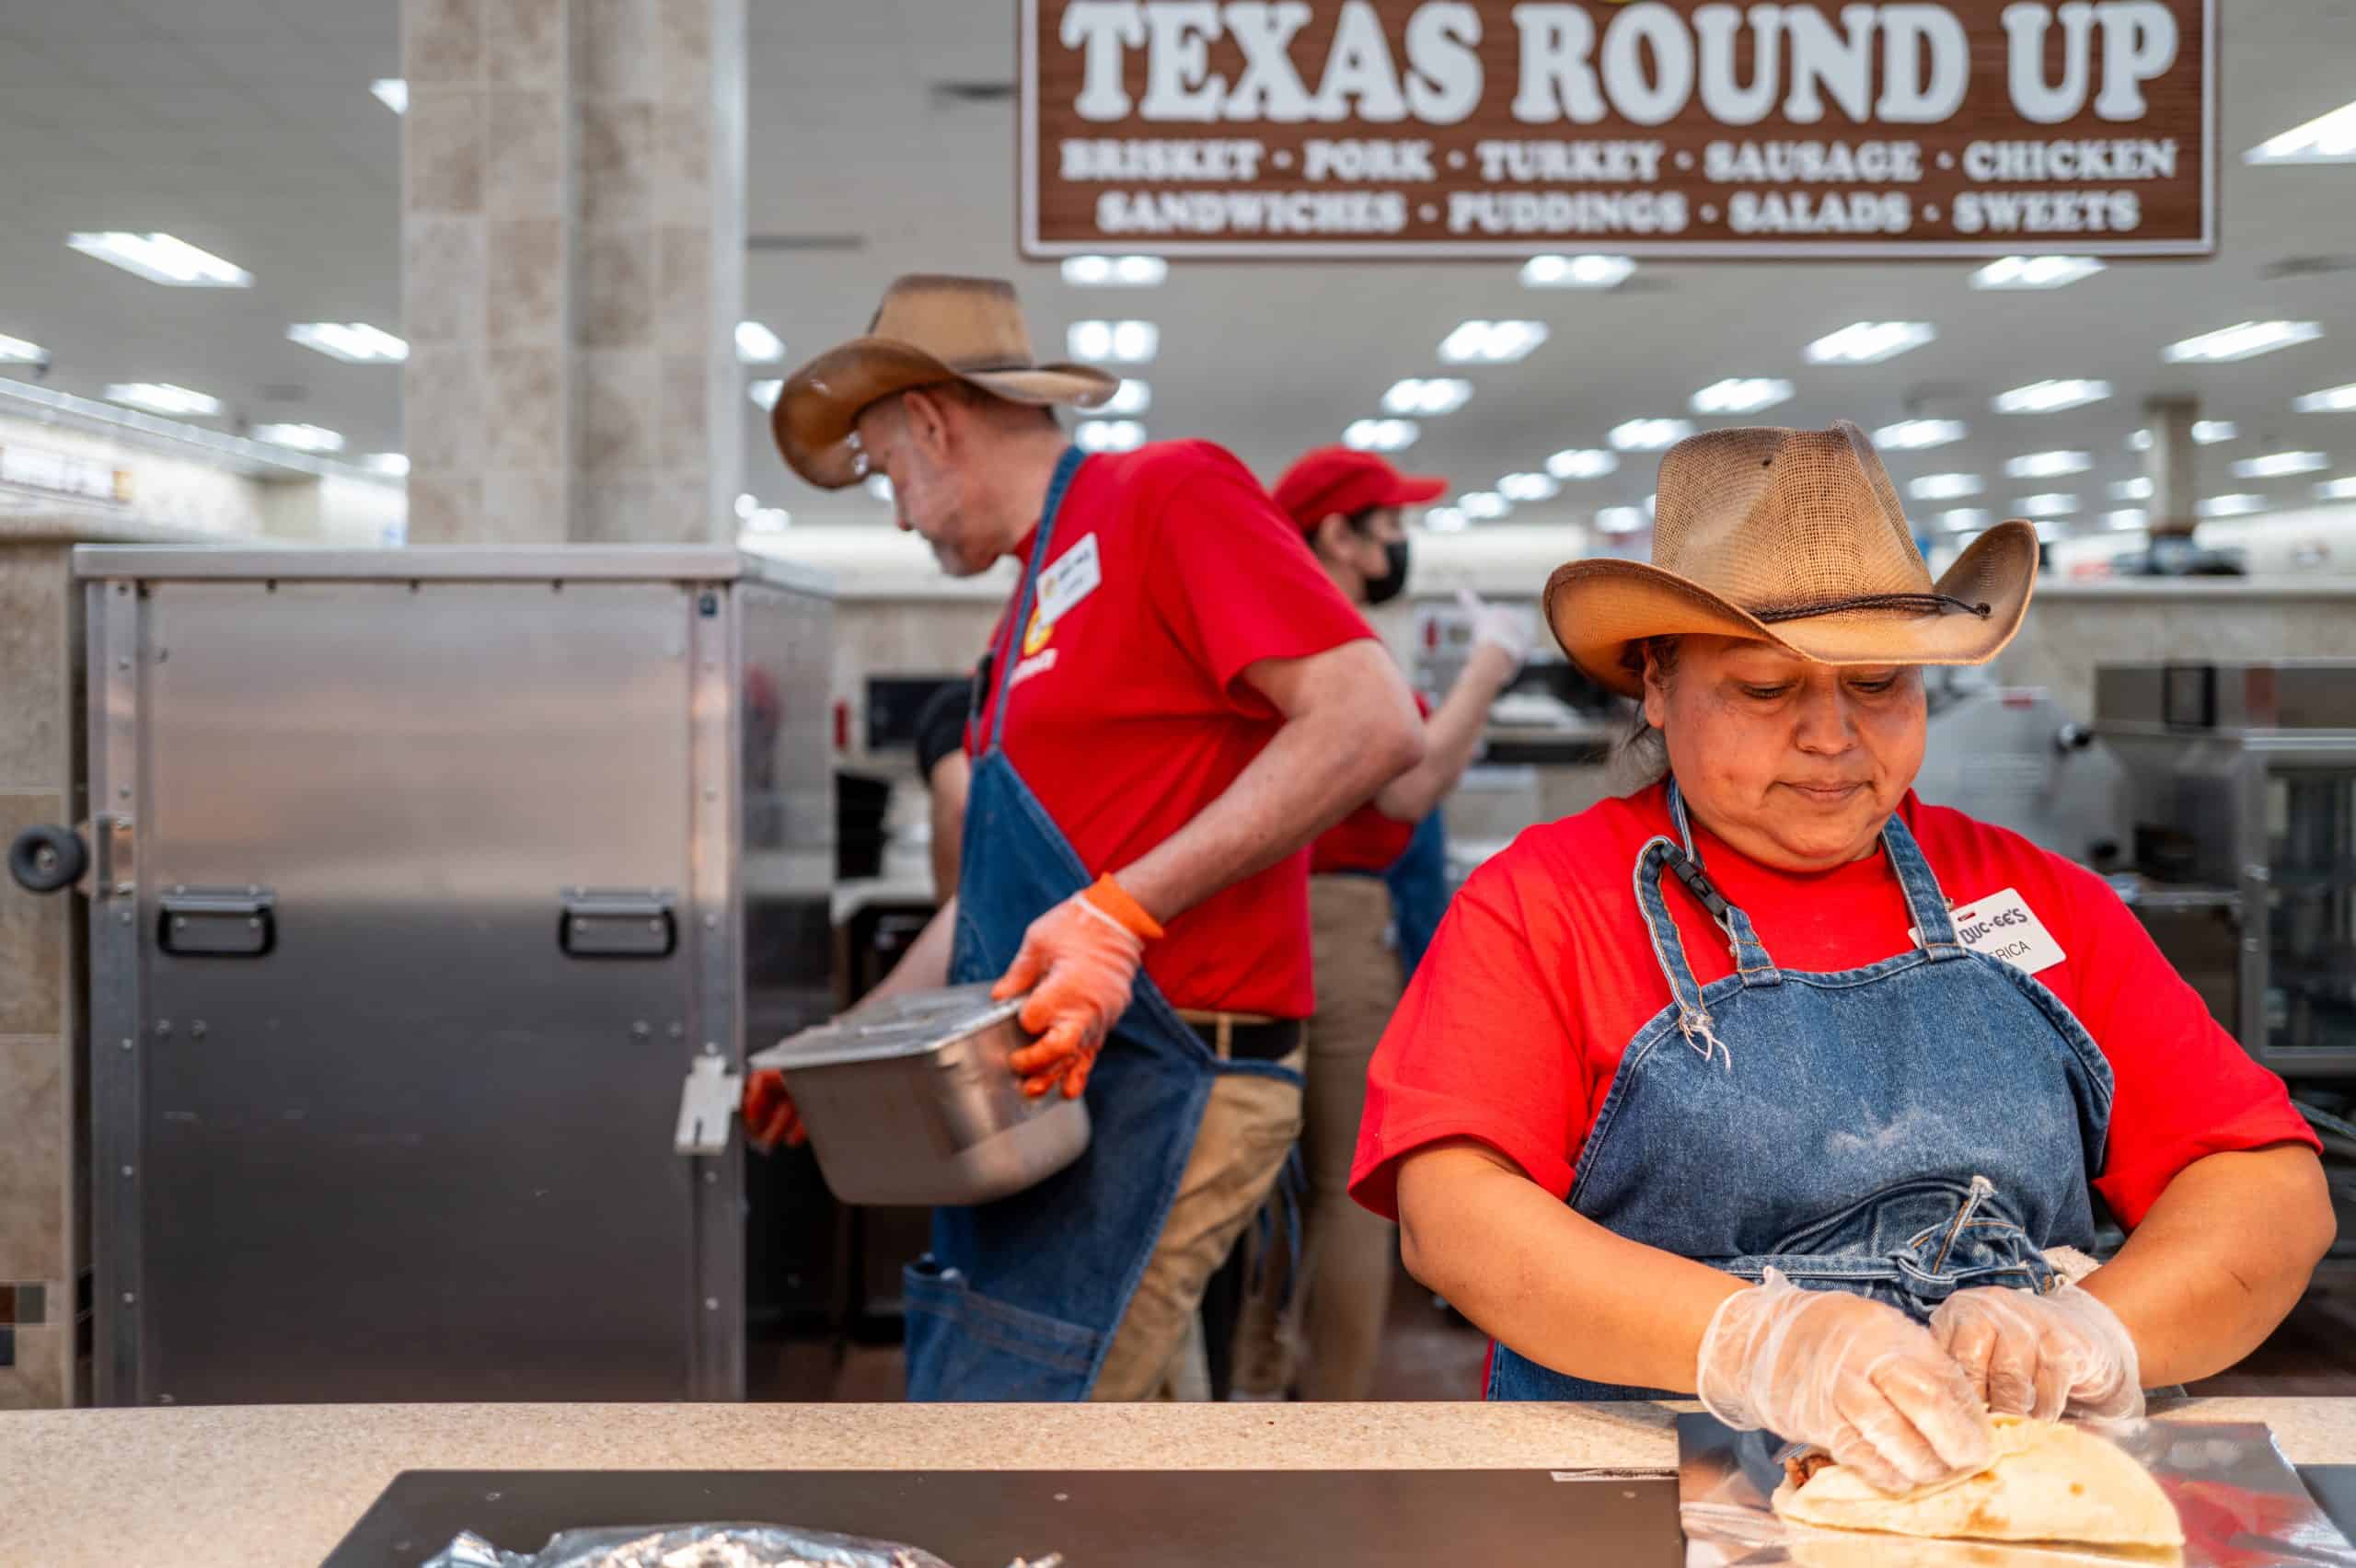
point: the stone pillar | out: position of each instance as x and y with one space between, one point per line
2169 464
572 236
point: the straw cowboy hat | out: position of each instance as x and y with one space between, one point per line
1793 537
928 330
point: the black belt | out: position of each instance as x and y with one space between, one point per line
1267 1040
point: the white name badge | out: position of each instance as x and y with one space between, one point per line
2003 926
1073 576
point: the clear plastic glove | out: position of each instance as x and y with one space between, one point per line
1079 963
770 1115
1507 630
2043 1356
1855 1377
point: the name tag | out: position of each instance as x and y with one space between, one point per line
1073 576
2003 926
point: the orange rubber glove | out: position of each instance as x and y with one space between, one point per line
1079 963
769 1116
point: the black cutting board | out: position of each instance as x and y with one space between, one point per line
1096 1518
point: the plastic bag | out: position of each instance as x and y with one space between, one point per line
690 1546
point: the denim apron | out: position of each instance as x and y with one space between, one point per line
1923 1126
1019 1298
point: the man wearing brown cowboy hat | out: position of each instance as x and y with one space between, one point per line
1708 1090
1176 702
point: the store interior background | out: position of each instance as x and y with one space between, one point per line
882 141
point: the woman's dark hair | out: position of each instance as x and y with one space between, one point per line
1641 756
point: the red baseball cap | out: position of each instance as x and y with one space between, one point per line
1338 479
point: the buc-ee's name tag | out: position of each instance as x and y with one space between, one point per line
1077 573
2003 926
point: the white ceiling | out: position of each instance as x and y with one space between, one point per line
246 126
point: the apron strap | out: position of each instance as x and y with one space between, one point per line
1693 1018
1924 899
1003 676
1750 959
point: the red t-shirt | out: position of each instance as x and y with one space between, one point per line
1129 714
1365 840
1541 971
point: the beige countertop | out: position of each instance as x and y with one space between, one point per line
261 1486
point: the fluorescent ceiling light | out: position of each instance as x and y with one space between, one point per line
1446 520
1129 398
1945 486
2275 464
756 344
16 350
2232 505
2131 490
1491 342
393 463
1109 435
2048 532
1741 395
880 487
1484 506
1576 271
1380 435
1959 518
162 397
1620 519
2127 517
392 92
301 437
768 520
1114 271
1434 396
2243 339
1112 342
746 504
765 393
1649 435
2329 138
1581 463
2046 465
2035 272
1529 487
2331 400
1870 343
2205 433
2336 490
2049 397
162 258
1913 435
2053 503
354 342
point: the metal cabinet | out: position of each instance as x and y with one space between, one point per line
2245 778
424 879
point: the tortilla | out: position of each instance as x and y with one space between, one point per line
2049 1484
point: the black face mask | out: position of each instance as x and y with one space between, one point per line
1391 585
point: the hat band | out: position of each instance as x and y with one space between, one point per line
1920 603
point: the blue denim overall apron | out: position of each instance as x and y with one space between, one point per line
1923 1126
1019 1298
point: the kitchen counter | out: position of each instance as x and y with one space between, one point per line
261 1486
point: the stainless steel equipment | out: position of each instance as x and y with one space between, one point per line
2014 757
2243 782
433 892
914 1102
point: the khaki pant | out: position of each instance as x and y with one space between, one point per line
1348 1255
1248 1129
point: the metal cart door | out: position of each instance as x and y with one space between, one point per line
390 1035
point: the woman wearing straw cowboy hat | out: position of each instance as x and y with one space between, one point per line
1706 1089
1156 735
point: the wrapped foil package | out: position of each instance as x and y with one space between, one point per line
2241 1504
690 1546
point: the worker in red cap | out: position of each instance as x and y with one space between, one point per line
1352 508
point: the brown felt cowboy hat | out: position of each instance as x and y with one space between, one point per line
928 330
1793 537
